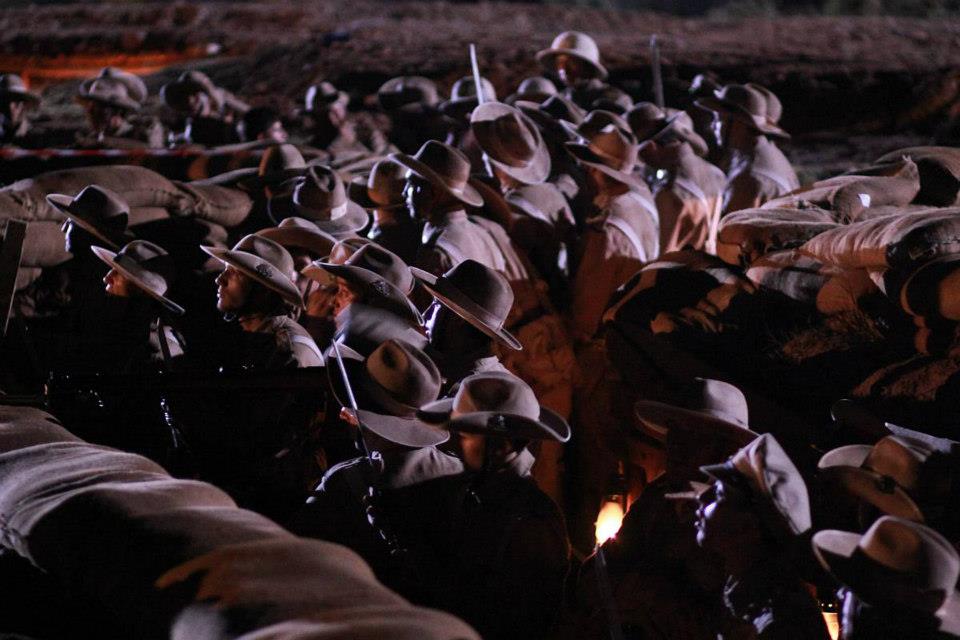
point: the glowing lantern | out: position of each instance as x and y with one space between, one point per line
833 624
609 520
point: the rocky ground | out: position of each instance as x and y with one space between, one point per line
848 84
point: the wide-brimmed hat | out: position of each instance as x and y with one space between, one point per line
389 386
650 122
302 234
13 88
709 405
774 106
463 96
896 474
364 328
176 94
279 164
321 96
97 210
611 150
511 141
577 45
745 104
136 87
265 261
896 563
443 167
704 84
496 404
109 91
476 293
408 92
320 197
534 89
147 266
379 272
765 470
383 188
596 94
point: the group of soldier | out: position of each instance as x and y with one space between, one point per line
448 263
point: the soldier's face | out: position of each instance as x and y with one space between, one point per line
14 111
419 195
345 296
725 519
275 132
76 240
233 288
118 285
199 104
569 69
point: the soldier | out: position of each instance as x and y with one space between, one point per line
573 57
143 272
457 109
622 225
332 128
257 289
688 190
393 227
757 170
321 198
565 173
411 104
493 548
109 107
534 89
471 303
752 518
262 123
899 580
208 111
15 99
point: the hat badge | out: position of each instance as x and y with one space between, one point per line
497 423
264 270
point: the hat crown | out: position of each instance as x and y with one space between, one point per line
320 95
770 472
536 85
559 108
898 459
386 183
405 372
578 43
385 264
136 88
12 83
278 158
294 222
99 202
109 89
645 119
509 137
774 107
721 400
269 251
466 88
322 192
742 96
403 90
496 393
912 548
486 288
614 149
448 163
156 264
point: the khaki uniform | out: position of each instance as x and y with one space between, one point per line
615 245
292 345
689 204
761 175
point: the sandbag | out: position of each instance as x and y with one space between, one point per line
680 281
43 245
933 289
748 234
891 241
27 276
829 288
847 196
223 205
939 171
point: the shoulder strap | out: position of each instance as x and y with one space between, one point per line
528 207
627 230
769 175
690 187
307 342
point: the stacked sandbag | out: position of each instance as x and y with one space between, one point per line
930 295
807 281
896 241
690 288
849 196
158 557
939 171
748 234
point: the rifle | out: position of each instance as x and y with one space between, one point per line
657 73
478 84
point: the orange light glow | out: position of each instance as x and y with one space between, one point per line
608 521
833 624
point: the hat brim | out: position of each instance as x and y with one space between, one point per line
762 125
19 96
64 204
537 169
656 419
585 156
670 126
317 242
853 455
876 490
466 194
837 552
513 98
547 56
353 219
370 281
452 298
361 196
128 104
247 263
109 257
549 425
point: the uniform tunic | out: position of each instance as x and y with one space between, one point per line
760 175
